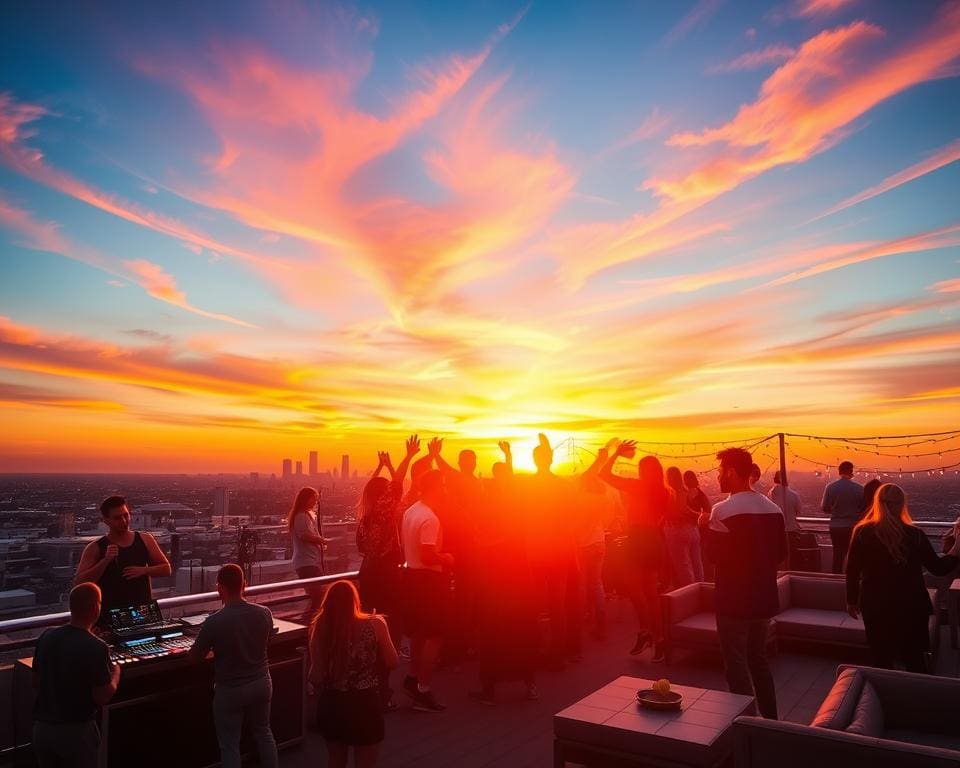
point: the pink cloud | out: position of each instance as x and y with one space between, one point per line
808 104
695 17
820 7
772 54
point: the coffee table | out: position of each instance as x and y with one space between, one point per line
610 728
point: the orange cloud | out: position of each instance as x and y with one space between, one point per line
821 7
807 104
942 157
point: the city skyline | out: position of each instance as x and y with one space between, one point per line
230 239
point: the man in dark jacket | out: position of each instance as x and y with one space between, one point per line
746 540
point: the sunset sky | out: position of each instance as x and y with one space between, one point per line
232 236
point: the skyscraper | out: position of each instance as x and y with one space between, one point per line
299 468
287 468
221 504
313 463
344 467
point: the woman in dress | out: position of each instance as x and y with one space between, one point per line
347 649
885 580
308 545
646 498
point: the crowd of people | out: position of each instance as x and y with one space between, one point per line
467 567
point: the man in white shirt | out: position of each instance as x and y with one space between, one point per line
790 504
426 589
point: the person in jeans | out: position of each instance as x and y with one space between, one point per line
307 546
347 650
843 502
746 541
426 589
238 635
73 676
681 534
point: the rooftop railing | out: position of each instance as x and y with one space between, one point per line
176 603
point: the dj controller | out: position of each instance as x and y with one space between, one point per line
149 648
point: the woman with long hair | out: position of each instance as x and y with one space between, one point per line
347 649
647 499
307 545
681 534
885 580
378 541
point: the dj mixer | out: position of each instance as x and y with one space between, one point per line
149 648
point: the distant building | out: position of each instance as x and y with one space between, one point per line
66 524
313 463
254 477
164 515
221 503
344 466
287 469
299 469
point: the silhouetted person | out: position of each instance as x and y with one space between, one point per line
885 581
697 501
870 489
596 511
843 502
647 499
347 649
681 534
238 635
426 588
459 519
746 540
549 515
755 475
378 541
789 502
308 546
122 562
73 676
507 628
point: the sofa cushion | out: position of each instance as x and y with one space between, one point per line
838 707
813 592
868 714
701 628
820 625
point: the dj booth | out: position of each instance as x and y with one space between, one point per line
161 715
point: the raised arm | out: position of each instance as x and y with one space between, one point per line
383 460
434 448
504 446
91 565
605 473
413 448
594 469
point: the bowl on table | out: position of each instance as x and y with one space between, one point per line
651 699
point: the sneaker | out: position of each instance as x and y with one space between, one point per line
643 640
425 701
658 654
483 697
532 693
410 686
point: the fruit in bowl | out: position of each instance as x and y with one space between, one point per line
662 686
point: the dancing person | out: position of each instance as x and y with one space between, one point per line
507 630
551 536
122 562
597 509
459 519
238 635
426 589
885 580
73 676
308 546
378 541
681 534
697 501
843 502
647 499
347 649
746 540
